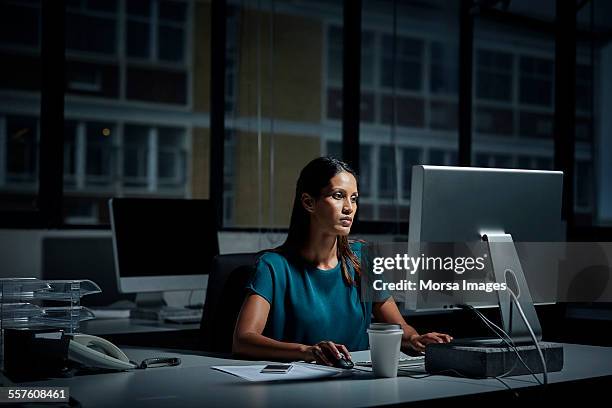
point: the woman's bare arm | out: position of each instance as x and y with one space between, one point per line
387 312
249 341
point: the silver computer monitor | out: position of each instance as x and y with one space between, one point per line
461 204
162 245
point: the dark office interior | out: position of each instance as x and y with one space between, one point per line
222 102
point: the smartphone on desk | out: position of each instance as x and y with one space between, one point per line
277 368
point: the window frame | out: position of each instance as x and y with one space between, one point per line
53 52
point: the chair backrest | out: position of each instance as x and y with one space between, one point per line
224 297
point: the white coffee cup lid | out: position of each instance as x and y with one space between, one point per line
384 327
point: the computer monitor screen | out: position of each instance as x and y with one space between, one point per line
458 205
162 244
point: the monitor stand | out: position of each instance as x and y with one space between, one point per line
152 306
149 306
491 357
507 268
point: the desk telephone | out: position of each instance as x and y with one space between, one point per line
35 354
98 353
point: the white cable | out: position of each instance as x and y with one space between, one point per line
509 343
533 337
497 330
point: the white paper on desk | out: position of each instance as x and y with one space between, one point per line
300 371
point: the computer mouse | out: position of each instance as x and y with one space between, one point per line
343 363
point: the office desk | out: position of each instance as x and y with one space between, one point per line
146 333
195 384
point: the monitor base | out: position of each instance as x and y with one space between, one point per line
481 361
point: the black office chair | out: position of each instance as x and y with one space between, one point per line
224 297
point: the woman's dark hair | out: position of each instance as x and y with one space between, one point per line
314 177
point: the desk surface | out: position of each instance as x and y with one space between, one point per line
102 327
194 383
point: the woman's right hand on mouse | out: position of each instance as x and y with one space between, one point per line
326 353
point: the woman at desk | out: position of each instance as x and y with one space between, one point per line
304 301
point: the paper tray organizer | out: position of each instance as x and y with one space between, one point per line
29 303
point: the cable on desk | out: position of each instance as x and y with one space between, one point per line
156 362
510 343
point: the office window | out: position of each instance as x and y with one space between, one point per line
334 104
502 161
20 23
156 44
513 95
387 185
494 121
524 162
125 60
536 125
584 88
494 75
229 152
367 106
20 33
368 58
481 160
536 81
591 172
156 85
437 157
334 54
415 94
287 79
138 28
171 157
100 156
365 171
150 95
171 32
105 159
584 128
231 60
444 77
334 74
21 150
156 30
334 149
409 111
443 115
136 155
409 60
93 79
410 157
443 86
544 163
584 103
70 154
91 26
584 185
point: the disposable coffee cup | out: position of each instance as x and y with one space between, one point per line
385 344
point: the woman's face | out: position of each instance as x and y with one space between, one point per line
334 210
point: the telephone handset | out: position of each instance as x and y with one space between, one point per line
95 352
